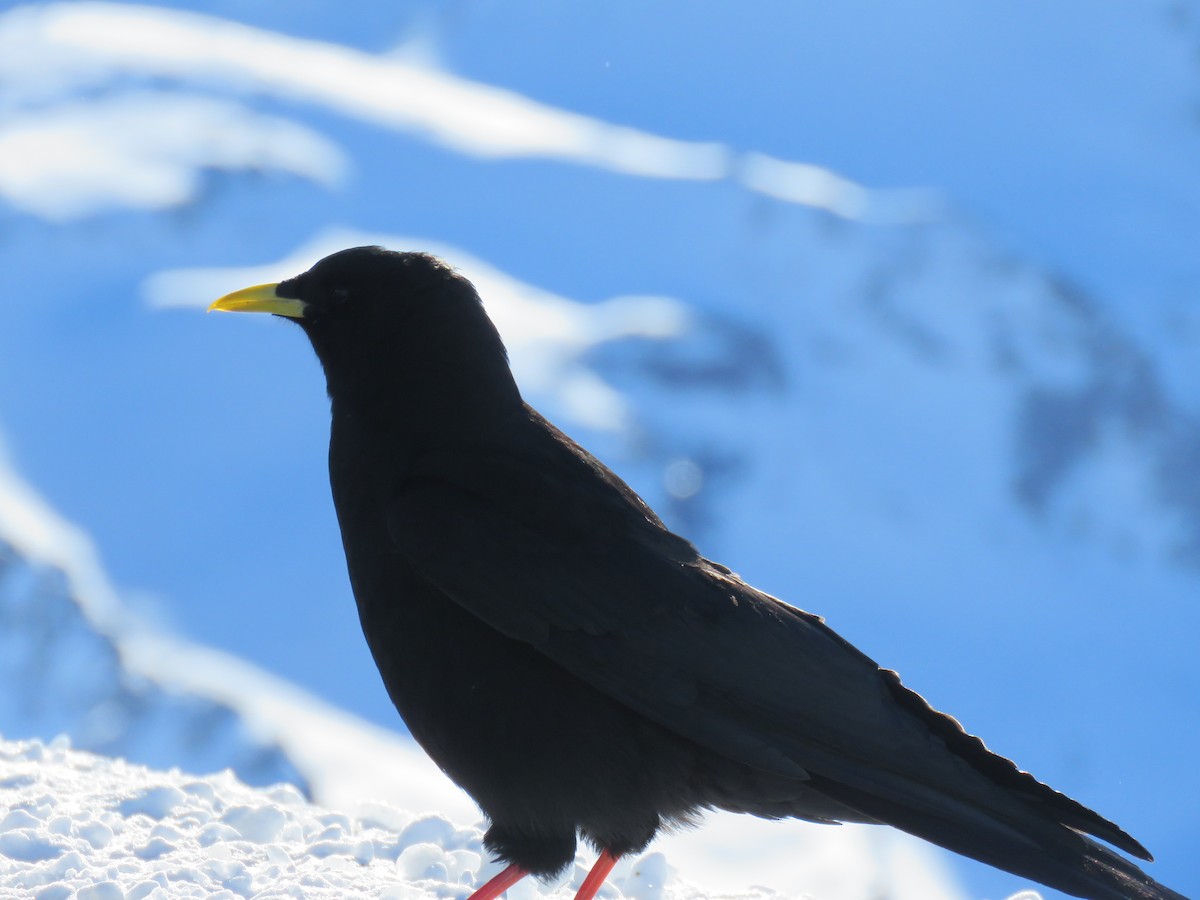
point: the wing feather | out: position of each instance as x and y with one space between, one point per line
565 557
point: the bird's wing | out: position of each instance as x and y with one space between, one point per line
573 563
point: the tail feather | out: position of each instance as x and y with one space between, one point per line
1002 772
1040 848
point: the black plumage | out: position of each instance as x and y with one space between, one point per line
581 670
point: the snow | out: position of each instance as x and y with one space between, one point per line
69 45
73 824
469 117
68 645
88 826
41 535
815 186
146 149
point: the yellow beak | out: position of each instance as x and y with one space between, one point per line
260 298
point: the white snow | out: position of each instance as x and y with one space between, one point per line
74 824
44 537
77 825
473 118
146 149
815 186
55 48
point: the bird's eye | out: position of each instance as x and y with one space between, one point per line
340 295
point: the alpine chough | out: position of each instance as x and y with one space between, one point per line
580 670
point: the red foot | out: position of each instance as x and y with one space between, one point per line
498 884
596 877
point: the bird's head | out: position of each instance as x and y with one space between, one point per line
387 319
362 286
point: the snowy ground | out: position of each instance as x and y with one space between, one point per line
95 828
77 825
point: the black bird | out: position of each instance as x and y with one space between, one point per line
579 669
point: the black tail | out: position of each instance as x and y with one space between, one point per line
1040 849
1002 816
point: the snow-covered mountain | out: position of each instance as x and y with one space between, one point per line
63 675
970 446
65 660
78 663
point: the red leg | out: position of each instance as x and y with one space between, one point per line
498 884
595 878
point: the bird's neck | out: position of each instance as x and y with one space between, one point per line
446 385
